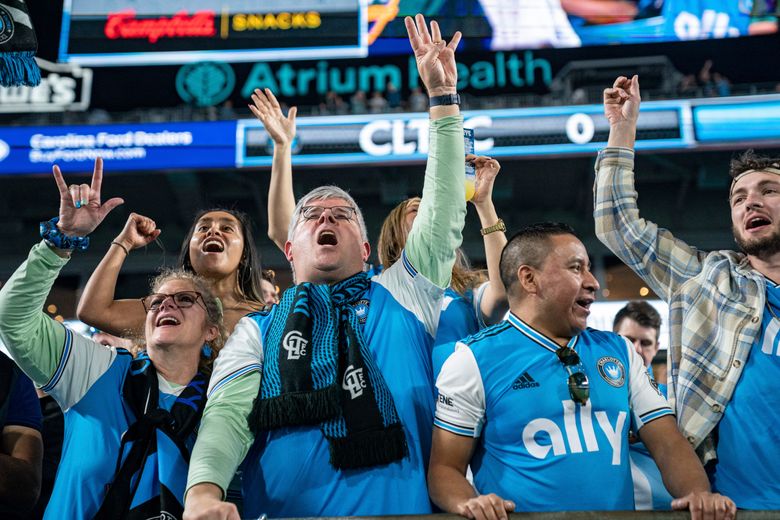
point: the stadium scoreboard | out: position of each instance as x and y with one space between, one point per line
142 32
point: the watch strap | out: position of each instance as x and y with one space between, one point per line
447 99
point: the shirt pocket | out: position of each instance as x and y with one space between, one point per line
713 328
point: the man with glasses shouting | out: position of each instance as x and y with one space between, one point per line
553 401
332 388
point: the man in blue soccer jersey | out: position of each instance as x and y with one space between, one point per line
552 402
334 384
723 351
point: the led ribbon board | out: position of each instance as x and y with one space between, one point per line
392 138
122 147
116 32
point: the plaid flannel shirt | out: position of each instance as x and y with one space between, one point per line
716 300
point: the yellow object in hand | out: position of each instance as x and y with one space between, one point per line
470 181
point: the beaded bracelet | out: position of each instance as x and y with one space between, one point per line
56 238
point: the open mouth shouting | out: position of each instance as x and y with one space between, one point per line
756 223
167 321
327 237
213 245
584 304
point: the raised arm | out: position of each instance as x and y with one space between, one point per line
97 306
35 341
493 304
660 259
281 199
436 232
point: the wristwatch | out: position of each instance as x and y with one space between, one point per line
447 99
498 226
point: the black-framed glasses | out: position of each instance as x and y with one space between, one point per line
182 300
338 212
579 387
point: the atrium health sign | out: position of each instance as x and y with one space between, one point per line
122 147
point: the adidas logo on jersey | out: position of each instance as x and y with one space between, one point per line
524 381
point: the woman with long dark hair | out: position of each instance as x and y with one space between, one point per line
218 246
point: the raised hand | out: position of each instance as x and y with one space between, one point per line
621 102
138 232
80 208
435 57
266 108
486 169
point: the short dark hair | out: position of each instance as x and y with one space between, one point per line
641 312
659 358
529 246
749 160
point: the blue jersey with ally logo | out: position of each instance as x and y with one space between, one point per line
506 386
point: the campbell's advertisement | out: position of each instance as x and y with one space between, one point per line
112 32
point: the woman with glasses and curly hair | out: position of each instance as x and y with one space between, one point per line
130 423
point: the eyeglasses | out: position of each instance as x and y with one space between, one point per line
579 387
338 212
182 300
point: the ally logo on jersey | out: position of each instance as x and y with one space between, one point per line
701 19
543 436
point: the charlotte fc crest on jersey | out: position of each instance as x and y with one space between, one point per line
612 371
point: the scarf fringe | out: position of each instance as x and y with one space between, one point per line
369 448
295 409
19 68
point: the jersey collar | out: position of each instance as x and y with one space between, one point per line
536 336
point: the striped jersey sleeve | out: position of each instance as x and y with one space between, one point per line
414 292
82 362
460 406
241 355
647 402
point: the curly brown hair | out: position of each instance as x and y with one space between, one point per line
749 160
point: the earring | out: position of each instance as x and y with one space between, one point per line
206 350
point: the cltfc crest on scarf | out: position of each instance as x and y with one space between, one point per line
353 381
612 371
295 344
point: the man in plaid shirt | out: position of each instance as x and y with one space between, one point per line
723 317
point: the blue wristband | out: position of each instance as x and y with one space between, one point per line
53 236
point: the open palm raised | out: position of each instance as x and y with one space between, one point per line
266 108
435 57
